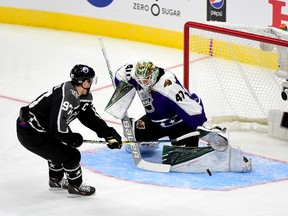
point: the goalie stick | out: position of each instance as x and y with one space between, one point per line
218 143
191 134
128 131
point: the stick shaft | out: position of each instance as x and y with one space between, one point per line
129 133
191 134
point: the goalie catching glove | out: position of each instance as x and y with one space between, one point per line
215 136
114 140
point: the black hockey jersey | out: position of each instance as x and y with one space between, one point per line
52 112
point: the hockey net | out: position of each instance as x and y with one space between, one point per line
235 70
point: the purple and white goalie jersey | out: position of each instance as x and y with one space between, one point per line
167 102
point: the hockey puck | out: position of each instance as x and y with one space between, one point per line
209 172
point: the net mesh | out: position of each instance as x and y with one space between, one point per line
237 78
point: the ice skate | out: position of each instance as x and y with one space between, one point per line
55 184
82 190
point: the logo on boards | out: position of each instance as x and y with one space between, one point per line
100 3
217 4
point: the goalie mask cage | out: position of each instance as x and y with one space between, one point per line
234 68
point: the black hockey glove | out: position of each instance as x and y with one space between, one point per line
76 140
114 140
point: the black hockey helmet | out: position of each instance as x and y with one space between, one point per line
80 73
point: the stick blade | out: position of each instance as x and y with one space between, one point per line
154 167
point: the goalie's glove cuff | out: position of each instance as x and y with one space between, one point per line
215 128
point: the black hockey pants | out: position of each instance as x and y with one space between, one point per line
61 158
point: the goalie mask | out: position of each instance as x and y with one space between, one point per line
146 74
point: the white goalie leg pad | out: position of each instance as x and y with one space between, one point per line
230 160
238 162
213 161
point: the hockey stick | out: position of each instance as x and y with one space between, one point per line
129 133
191 134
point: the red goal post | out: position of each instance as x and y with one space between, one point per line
234 69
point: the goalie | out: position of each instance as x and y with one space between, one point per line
170 110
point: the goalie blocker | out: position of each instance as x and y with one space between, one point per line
120 100
201 159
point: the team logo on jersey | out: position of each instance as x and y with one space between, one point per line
167 82
100 3
140 124
217 4
146 100
74 93
147 103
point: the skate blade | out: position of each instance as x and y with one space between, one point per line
79 196
58 189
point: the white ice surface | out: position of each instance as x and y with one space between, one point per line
33 60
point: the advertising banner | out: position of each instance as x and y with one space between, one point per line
165 14
216 10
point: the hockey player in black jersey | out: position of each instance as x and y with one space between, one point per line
43 128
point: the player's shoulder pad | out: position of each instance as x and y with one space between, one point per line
86 98
166 82
70 91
